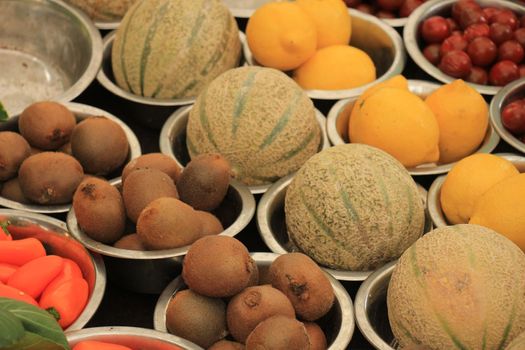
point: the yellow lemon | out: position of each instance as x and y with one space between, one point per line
468 180
463 118
332 20
281 35
397 81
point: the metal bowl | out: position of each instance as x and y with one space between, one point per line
153 270
173 140
371 310
81 111
370 34
48 51
339 115
338 325
271 223
133 337
58 241
508 94
443 8
434 193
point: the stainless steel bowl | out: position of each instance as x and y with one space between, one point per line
271 222
370 34
58 241
338 325
48 51
371 310
150 271
443 8
339 115
434 193
135 338
81 111
508 94
173 140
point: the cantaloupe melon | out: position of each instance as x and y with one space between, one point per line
173 48
518 343
458 287
259 119
103 10
353 207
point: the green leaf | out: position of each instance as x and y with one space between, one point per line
32 341
11 329
36 321
3 226
3 113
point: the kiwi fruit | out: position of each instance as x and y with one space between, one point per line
278 332
252 306
204 182
66 148
217 266
167 223
209 223
304 283
130 242
316 336
35 150
14 149
226 345
157 161
197 318
99 209
46 125
142 187
50 177
11 190
100 145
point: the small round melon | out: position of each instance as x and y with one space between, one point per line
103 10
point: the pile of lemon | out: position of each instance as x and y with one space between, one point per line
310 38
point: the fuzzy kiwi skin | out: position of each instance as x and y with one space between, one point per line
50 177
209 222
316 336
279 332
144 186
12 191
157 161
226 345
252 306
167 223
217 266
130 242
198 318
204 182
100 145
46 125
99 209
14 149
304 283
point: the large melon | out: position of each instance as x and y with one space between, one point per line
353 207
259 119
103 10
173 48
458 287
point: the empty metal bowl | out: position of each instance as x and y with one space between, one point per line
173 140
81 111
48 51
271 222
132 337
57 240
338 325
339 116
370 34
150 271
434 193
443 8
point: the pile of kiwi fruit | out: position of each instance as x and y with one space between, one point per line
157 206
231 303
45 161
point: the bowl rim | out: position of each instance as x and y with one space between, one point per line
112 86
94 332
395 68
491 139
59 227
347 317
410 39
183 112
247 212
76 108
